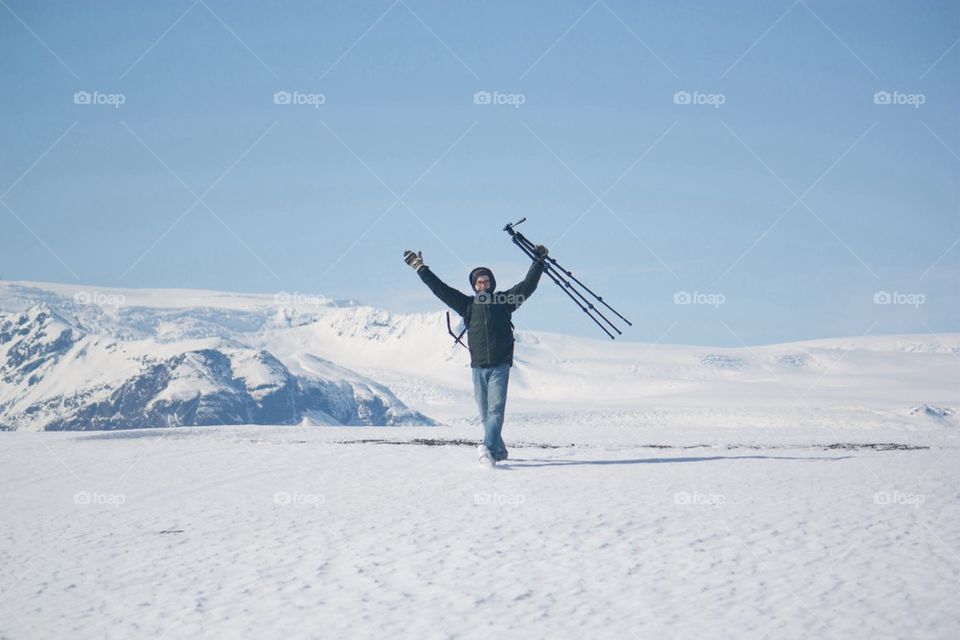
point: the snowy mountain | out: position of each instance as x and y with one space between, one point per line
61 370
76 357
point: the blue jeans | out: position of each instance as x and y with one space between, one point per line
490 391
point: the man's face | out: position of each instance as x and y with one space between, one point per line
482 284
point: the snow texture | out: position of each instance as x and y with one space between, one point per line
803 490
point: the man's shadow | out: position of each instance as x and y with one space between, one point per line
523 463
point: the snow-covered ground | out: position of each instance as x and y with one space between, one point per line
616 530
782 491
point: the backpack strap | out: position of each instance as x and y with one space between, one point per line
457 338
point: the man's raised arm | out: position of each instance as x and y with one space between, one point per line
454 299
525 288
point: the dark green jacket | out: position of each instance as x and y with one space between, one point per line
487 315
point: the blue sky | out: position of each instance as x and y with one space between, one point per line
784 191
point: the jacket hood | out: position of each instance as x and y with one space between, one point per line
482 271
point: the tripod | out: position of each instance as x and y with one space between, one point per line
562 278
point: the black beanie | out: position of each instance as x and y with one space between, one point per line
483 271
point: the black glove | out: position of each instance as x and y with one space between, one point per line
415 260
541 252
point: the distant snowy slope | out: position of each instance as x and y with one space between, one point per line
251 354
415 357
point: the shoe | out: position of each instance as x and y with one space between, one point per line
484 456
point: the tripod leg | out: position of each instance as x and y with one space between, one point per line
549 265
556 281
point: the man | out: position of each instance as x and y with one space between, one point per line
486 315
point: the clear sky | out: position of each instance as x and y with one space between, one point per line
783 192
